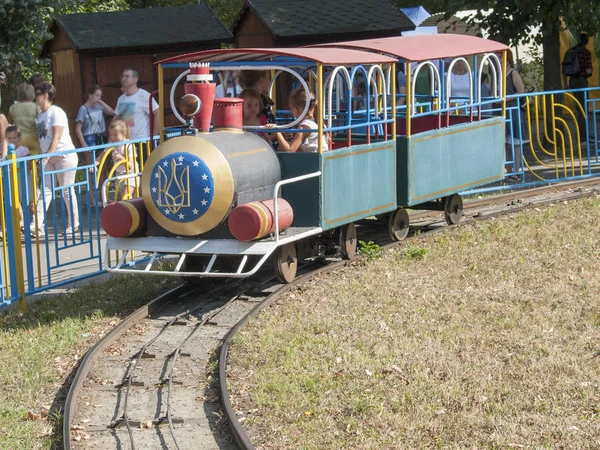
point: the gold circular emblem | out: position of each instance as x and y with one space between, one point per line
187 185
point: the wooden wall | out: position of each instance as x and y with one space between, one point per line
67 81
251 32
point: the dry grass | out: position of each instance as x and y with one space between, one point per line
481 337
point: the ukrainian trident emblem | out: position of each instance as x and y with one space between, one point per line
182 187
173 187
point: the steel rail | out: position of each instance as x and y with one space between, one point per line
135 362
86 364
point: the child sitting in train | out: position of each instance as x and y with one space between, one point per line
252 107
302 142
122 156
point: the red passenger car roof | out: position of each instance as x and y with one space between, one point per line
331 56
424 47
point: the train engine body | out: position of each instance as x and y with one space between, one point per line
191 183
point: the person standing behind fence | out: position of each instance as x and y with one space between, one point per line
53 133
516 133
13 136
23 114
90 127
133 107
577 66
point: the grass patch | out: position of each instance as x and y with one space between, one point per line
489 341
370 250
39 349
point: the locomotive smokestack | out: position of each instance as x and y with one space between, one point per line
200 84
229 113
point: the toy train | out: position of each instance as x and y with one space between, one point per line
219 197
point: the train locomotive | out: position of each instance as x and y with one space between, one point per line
218 196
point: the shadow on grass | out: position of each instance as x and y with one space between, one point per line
118 296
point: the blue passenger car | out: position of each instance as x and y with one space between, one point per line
446 144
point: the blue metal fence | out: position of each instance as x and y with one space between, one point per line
551 137
58 240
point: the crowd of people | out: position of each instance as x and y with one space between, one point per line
36 126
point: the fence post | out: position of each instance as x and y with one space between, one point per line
16 230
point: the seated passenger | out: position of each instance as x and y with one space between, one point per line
460 88
259 80
302 142
252 107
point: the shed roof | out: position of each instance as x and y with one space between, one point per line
333 56
149 27
424 47
452 24
291 18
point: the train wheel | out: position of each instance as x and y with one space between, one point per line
348 241
398 224
453 209
286 263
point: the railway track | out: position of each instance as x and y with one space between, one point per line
152 383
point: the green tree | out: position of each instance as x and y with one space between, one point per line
25 26
520 21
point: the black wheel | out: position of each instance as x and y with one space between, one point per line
348 241
286 263
453 209
398 224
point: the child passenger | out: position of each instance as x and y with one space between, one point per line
252 107
302 142
13 136
122 156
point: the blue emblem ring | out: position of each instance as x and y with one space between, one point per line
183 196
182 187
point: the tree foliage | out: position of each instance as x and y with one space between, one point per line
25 27
519 22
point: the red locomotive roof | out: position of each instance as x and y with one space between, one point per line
424 47
333 56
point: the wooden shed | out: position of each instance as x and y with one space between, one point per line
452 25
94 48
287 23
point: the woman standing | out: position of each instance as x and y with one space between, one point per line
53 133
90 127
23 114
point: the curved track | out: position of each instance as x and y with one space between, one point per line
150 382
